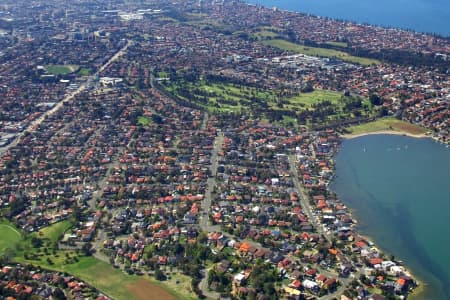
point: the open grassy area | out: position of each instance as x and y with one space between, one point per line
116 283
180 283
319 105
387 124
9 237
61 69
111 281
321 52
85 71
163 74
309 99
144 121
265 34
54 231
337 44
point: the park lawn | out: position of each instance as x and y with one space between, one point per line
309 99
9 236
54 231
103 276
163 74
122 286
195 16
230 97
222 97
144 121
321 52
61 69
374 290
111 281
387 124
337 44
180 283
85 71
265 34
168 19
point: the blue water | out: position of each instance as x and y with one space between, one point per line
431 16
399 190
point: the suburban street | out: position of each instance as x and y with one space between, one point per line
88 83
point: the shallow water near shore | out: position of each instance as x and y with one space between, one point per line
432 16
399 190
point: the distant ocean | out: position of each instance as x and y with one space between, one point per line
399 191
430 16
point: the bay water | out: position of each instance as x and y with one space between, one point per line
398 188
430 16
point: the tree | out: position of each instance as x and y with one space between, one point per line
375 99
383 112
77 215
58 294
159 275
86 249
36 242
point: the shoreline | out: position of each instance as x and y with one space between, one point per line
391 132
420 286
351 20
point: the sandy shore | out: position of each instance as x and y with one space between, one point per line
352 136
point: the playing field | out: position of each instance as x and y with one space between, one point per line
387 124
321 52
8 237
143 289
55 231
61 69
116 283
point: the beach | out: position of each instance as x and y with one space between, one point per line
389 132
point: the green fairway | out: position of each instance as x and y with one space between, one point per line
387 124
321 52
309 99
61 69
225 97
9 237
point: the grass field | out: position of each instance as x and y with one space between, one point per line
265 34
144 121
229 97
111 281
61 69
54 231
309 99
114 282
387 124
321 52
337 44
122 286
180 283
85 71
9 237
